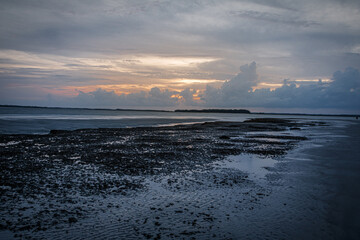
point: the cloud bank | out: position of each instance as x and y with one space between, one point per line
342 92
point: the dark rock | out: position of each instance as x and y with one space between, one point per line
72 220
224 137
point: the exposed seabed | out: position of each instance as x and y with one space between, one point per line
262 179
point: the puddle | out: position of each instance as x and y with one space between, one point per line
253 165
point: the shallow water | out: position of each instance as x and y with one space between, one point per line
27 120
257 167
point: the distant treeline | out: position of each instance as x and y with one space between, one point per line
190 110
214 110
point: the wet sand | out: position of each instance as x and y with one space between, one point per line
315 190
256 180
334 177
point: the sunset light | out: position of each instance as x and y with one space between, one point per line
180 119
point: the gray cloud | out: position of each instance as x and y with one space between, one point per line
291 39
75 27
109 99
342 92
187 95
273 18
231 90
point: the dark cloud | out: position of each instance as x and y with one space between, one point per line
187 97
342 92
231 90
243 81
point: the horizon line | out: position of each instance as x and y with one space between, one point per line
206 110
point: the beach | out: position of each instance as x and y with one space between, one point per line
315 190
264 178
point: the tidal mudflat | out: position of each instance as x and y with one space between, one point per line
222 180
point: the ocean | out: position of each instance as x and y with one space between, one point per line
33 120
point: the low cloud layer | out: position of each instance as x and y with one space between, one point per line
342 92
155 98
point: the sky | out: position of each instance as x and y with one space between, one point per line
263 55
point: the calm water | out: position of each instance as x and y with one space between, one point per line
19 120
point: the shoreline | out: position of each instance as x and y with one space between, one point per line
315 190
337 167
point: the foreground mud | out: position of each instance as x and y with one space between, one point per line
145 182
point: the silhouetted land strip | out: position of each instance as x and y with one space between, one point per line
214 110
191 111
